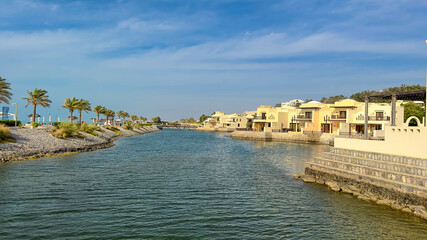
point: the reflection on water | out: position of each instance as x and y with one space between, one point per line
186 184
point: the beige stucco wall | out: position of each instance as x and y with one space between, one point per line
404 141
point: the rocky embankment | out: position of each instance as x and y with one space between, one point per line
408 203
203 129
319 138
396 181
37 143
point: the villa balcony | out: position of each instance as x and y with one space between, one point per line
374 118
338 117
383 118
303 117
260 119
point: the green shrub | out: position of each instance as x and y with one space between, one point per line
34 124
10 123
137 125
89 128
5 134
128 126
113 129
65 130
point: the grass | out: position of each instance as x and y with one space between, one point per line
90 129
113 129
5 134
128 126
64 130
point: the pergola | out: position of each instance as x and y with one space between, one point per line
419 95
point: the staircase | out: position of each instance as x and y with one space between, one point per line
405 174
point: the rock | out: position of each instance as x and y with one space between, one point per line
296 176
415 207
364 197
396 206
420 212
387 202
407 210
333 185
346 189
308 179
320 181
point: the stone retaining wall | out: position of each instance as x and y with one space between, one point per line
285 137
397 181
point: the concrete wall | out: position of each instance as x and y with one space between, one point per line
404 141
285 137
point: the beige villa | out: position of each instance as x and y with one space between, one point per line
271 119
219 121
310 117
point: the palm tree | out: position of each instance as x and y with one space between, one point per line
120 113
125 115
134 118
109 113
71 105
142 118
38 97
5 95
99 110
82 105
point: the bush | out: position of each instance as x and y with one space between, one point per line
10 123
128 126
89 128
5 134
65 130
34 124
113 129
137 125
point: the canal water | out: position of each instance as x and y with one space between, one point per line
186 185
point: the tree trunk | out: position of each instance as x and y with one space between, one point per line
71 116
97 118
80 116
34 113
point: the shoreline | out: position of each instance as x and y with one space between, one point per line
39 143
395 181
323 139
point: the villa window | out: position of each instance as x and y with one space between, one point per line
343 114
379 115
308 115
263 116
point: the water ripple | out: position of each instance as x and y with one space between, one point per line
186 185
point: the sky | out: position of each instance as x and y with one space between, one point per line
183 58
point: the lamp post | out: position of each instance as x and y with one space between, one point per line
16 113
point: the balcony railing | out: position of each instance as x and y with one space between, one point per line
338 117
261 117
373 118
304 117
376 118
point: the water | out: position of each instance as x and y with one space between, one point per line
186 185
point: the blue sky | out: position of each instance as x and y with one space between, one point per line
182 58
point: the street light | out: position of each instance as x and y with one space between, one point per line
16 113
